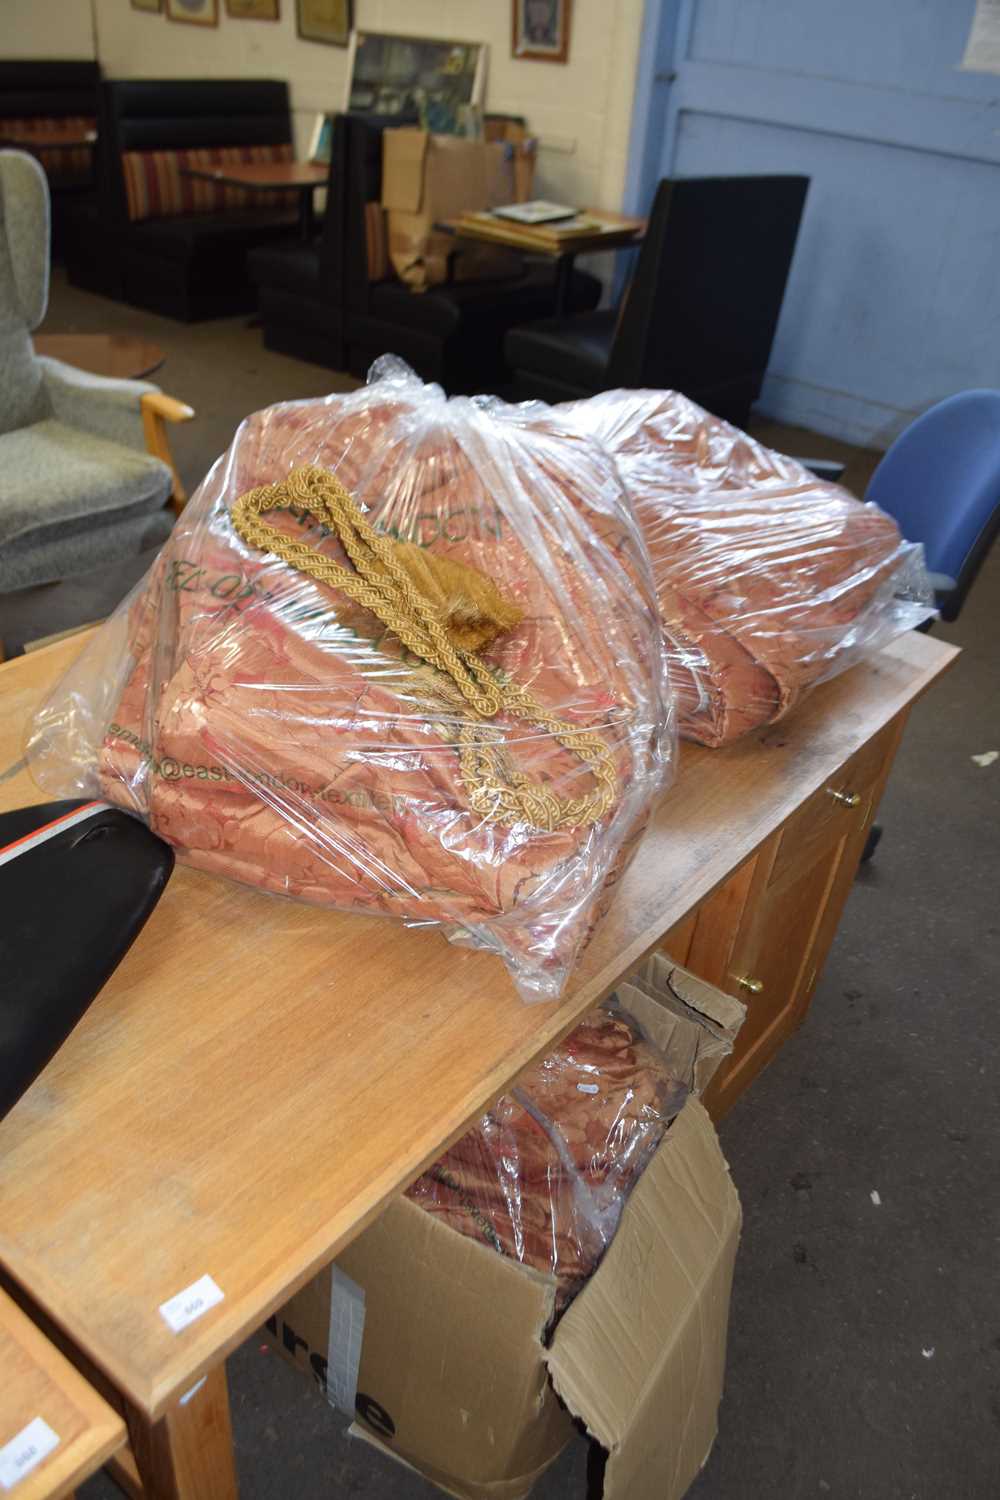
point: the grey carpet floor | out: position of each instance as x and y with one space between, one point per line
864 1350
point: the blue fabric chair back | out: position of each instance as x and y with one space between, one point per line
941 482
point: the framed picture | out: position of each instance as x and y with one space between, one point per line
541 30
426 78
324 21
254 10
194 12
153 6
321 140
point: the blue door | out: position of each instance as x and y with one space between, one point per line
894 297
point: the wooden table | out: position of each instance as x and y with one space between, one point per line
37 1385
119 355
303 177
258 1077
51 139
618 232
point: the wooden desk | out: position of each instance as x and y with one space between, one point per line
37 1382
618 232
259 1077
303 177
118 355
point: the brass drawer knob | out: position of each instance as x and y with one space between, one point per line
847 799
747 982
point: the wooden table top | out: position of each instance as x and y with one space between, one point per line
619 232
258 1077
119 355
50 139
279 174
36 1381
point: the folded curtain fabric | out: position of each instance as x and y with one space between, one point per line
768 579
544 1175
277 731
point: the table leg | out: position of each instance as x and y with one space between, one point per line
306 222
564 280
187 1454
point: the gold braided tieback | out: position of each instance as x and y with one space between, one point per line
440 609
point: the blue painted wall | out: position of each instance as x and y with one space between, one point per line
894 296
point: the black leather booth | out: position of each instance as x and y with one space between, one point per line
189 265
324 305
55 89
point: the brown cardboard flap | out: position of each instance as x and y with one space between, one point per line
693 1023
404 150
660 976
452 1350
509 1489
640 1355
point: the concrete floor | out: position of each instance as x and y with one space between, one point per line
864 1355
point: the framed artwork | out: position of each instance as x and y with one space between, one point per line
324 21
426 78
194 12
254 10
153 6
541 30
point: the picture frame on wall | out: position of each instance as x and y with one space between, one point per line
430 78
194 12
253 10
153 7
540 30
326 21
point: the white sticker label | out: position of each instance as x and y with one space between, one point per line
24 1452
589 1088
189 1305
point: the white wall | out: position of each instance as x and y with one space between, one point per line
581 111
46 28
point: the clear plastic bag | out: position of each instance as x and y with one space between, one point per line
328 705
544 1175
769 579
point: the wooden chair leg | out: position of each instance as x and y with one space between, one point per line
157 411
187 1454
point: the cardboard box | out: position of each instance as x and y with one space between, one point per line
428 178
437 1345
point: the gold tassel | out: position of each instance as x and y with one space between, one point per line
470 606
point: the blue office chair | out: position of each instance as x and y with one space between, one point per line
940 480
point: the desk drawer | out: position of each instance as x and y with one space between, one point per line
841 806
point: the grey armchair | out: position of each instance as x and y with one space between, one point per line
85 470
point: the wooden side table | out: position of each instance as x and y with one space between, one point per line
302 177
615 232
119 355
55 1430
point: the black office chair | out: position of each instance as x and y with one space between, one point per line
702 308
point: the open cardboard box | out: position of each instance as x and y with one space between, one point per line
427 179
438 1346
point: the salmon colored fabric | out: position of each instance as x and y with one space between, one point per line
279 734
769 579
543 1176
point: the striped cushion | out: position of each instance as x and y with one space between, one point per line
156 188
376 242
62 166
